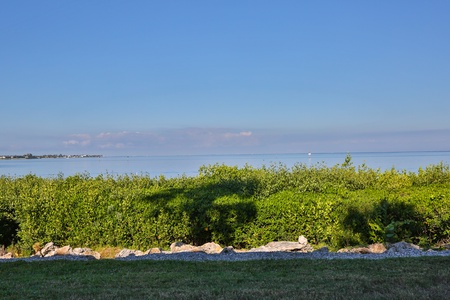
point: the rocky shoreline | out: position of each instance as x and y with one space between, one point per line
214 252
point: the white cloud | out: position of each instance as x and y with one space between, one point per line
78 139
71 142
113 135
237 135
163 141
112 146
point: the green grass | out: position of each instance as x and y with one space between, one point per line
406 278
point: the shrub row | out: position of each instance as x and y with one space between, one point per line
245 207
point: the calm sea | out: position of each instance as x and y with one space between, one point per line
173 166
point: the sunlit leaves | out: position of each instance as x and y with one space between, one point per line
243 207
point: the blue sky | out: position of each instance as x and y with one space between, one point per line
219 77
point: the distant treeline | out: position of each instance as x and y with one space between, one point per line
31 156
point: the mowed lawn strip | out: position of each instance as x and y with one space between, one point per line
400 278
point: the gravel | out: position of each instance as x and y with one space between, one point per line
198 256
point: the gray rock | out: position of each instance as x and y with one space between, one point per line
210 248
153 251
302 240
403 247
86 252
178 247
360 250
51 250
284 246
228 250
47 250
371 249
343 250
66 250
129 252
377 248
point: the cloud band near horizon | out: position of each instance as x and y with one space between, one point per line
227 141
192 141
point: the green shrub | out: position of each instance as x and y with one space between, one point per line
245 207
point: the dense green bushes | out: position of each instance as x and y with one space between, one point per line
244 207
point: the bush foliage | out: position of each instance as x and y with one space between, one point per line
244 207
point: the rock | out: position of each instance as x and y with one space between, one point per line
284 247
123 253
371 249
403 247
138 253
377 248
4 254
86 252
48 250
129 252
210 248
7 255
228 250
360 250
178 247
308 248
343 250
66 250
153 251
302 240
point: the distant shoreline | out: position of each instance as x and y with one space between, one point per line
31 156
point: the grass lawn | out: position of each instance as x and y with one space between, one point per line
405 278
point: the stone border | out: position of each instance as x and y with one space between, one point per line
214 252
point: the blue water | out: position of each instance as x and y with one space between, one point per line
173 166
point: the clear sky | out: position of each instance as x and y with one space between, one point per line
118 77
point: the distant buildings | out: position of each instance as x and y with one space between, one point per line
31 156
